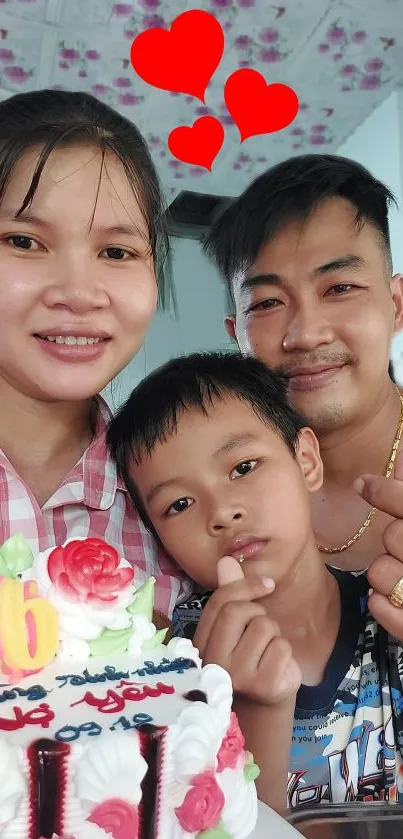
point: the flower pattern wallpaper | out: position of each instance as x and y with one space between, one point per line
341 58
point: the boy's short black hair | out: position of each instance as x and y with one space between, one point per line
154 408
289 192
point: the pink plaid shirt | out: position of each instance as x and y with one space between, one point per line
91 501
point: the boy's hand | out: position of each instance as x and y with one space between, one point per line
236 633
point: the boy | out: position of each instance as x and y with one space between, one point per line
221 467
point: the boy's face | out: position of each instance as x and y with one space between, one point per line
227 484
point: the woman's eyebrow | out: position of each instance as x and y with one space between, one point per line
111 230
119 230
14 215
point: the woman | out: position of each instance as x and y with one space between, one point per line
82 239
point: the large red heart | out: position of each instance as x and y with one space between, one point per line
182 59
255 106
198 144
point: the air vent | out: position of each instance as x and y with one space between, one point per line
191 214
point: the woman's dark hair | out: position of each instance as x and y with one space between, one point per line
152 412
51 119
289 192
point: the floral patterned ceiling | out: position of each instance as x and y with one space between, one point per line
341 58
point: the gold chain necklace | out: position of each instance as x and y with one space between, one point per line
387 474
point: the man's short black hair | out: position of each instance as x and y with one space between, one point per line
290 192
152 412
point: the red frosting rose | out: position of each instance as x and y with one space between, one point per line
56 836
232 746
117 817
202 806
87 570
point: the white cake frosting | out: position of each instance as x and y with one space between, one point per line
105 746
12 781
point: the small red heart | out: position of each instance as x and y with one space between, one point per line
256 107
182 59
199 143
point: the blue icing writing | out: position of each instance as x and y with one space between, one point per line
72 732
33 694
138 719
178 665
109 674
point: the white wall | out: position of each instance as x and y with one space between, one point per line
201 307
201 298
378 145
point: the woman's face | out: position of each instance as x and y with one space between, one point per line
77 281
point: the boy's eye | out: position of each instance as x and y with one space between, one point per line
23 243
243 468
179 506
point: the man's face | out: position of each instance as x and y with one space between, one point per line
319 304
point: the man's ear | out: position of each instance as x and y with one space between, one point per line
230 326
396 288
309 459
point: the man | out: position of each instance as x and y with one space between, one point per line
306 255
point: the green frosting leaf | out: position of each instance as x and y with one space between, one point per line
158 638
111 641
143 600
15 556
217 832
251 771
4 572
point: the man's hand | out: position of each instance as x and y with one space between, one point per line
386 494
236 633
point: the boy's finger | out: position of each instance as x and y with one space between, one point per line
247 589
253 644
229 630
229 570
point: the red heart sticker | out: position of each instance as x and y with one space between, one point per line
182 59
256 107
198 144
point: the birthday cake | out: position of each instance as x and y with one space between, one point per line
107 732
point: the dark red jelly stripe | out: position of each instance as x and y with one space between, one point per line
150 737
195 696
48 775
